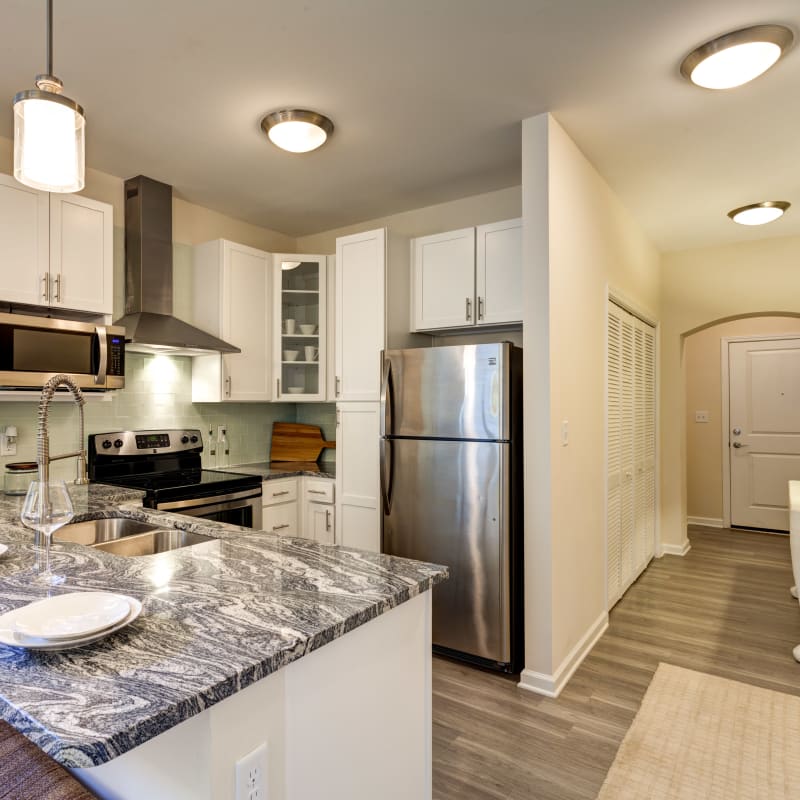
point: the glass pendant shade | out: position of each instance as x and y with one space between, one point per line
49 143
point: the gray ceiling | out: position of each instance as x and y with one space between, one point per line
427 98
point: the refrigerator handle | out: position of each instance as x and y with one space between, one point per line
387 474
387 399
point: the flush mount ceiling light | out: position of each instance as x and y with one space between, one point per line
49 132
296 130
759 213
737 57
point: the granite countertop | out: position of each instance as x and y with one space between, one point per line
270 470
216 618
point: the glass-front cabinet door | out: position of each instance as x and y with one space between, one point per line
300 350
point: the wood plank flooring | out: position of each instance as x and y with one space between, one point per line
724 609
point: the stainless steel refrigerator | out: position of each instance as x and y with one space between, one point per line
451 485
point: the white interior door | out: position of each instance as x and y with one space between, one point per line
764 436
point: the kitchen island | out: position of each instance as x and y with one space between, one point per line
322 653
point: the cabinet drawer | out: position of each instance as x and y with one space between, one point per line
281 491
281 519
318 491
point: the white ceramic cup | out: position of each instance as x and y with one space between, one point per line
289 325
311 353
290 355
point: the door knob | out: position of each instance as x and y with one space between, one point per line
737 445
737 431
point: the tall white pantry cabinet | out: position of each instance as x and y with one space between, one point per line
365 324
631 431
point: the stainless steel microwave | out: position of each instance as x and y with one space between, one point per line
33 349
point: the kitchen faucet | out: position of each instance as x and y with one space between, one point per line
43 457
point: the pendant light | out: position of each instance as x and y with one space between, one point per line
49 132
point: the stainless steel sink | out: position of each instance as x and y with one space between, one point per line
151 542
96 531
128 537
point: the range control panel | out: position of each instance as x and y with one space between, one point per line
141 443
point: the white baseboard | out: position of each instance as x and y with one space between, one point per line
675 549
552 685
708 522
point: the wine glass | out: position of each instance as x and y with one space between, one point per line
47 507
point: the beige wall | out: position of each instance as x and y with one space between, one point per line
592 243
700 287
191 224
702 358
477 210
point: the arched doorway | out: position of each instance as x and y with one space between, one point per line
707 452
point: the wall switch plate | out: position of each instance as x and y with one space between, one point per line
8 445
251 775
702 416
565 433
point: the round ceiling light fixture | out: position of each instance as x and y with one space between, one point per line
297 130
759 213
736 58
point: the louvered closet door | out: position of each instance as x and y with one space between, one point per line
631 449
614 454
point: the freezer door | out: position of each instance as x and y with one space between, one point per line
454 392
448 504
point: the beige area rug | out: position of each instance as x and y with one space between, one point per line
698 737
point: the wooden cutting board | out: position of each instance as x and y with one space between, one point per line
292 441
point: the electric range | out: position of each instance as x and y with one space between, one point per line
166 465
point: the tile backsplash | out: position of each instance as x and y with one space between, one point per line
157 394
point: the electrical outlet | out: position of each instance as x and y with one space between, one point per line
251 775
8 441
701 416
565 433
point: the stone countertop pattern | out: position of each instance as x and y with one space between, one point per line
216 618
272 470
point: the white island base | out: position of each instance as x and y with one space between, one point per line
350 721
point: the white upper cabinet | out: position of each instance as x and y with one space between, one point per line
300 329
55 250
498 273
466 278
81 254
360 314
444 280
231 300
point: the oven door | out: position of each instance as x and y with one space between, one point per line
238 508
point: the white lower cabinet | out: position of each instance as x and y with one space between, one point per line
280 507
358 507
301 506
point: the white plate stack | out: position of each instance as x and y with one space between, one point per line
70 620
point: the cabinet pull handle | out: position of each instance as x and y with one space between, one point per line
46 286
480 308
338 417
316 491
279 527
469 310
327 519
338 385
228 386
278 386
57 285
280 494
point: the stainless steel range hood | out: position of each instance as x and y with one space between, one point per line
149 324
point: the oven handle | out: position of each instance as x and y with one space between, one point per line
210 503
100 378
